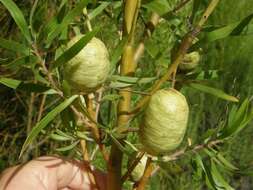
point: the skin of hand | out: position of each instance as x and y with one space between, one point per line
51 173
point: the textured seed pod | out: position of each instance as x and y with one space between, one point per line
164 123
89 68
139 169
190 61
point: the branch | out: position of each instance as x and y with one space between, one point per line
185 45
186 150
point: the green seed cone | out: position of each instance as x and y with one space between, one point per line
190 61
164 123
89 68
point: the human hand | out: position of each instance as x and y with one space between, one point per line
50 173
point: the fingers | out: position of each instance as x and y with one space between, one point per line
50 173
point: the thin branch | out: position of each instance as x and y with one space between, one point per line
150 27
177 155
180 5
187 150
41 109
185 45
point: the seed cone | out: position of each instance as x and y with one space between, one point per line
190 61
164 122
89 68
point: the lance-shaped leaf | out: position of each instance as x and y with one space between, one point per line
18 16
45 121
238 120
233 29
220 182
213 91
159 6
67 148
14 46
11 83
67 20
98 10
75 49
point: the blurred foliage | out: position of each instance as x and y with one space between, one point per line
227 64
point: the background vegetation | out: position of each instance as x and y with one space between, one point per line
226 63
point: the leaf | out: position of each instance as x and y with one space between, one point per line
25 61
116 55
82 135
220 182
119 85
98 10
33 87
233 29
73 50
239 121
67 148
60 137
206 170
132 80
45 121
226 163
159 6
119 145
111 97
14 46
18 17
66 20
213 91
11 83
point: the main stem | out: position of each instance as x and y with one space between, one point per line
127 68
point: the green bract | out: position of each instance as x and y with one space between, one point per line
89 68
164 123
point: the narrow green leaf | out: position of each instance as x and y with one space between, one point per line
220 182
67 148
25 61
206 170
45 121
60 137
241 26
111 97
119 145
233 29
239 121
213 91
75 49
14 46
67 20
83 135
132 80
226 163
119 85
11 83
116 55
33 87
98 10
18 16
159 6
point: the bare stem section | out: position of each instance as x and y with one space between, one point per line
127 68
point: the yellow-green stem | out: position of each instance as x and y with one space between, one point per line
127 68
